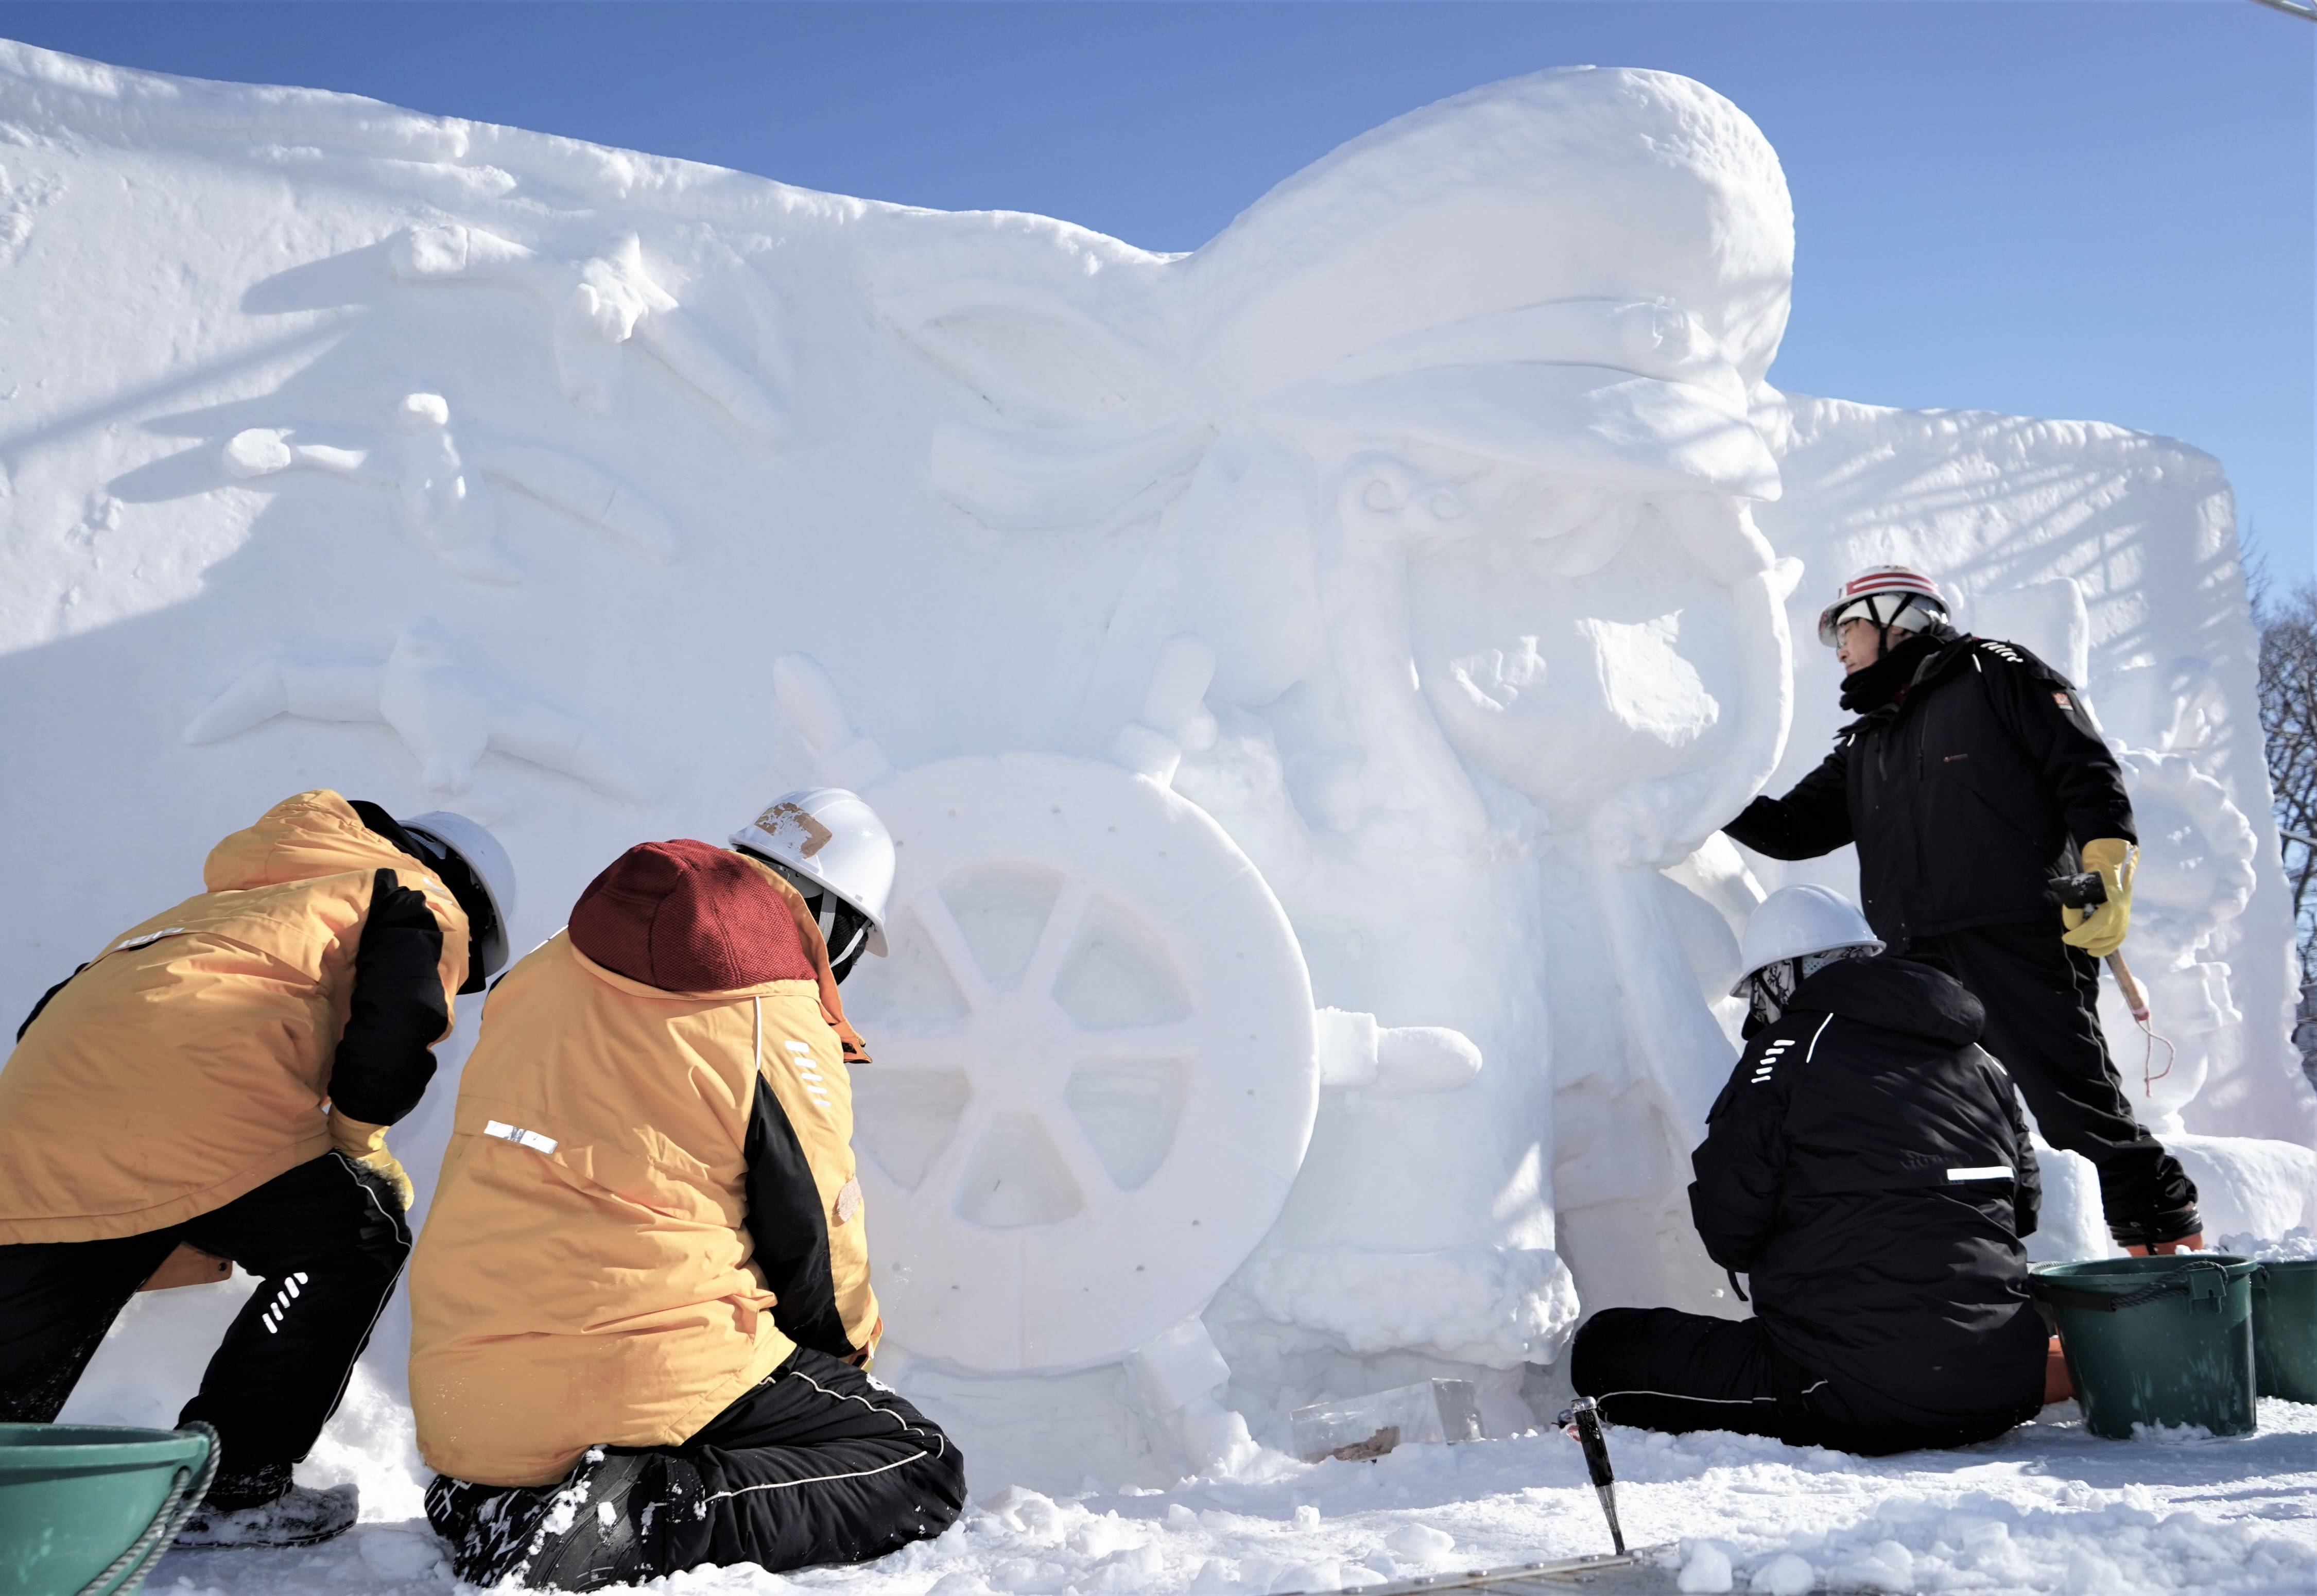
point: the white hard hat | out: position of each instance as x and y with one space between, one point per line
1887 595
1795 921
489 873
830 837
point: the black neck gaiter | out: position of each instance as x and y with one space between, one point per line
1865 691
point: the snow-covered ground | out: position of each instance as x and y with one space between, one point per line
2048 1508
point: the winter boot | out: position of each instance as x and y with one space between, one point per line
584 1534
300 1516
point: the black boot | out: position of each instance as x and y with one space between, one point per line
235 1516
597 1528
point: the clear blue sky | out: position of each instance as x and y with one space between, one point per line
2100 208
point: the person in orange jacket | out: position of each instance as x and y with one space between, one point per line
219 1080
642 1311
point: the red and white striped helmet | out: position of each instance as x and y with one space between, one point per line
1888 596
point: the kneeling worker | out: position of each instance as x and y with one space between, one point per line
641 1310
217 1084
1867 1166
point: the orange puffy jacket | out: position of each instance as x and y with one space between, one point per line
191 1061
649 1200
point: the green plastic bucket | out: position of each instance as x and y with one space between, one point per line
87 1509
2157 1340
2285 1330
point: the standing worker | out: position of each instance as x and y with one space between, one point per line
1972 778
217 1083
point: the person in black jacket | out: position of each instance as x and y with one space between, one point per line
1972 778
1867 1166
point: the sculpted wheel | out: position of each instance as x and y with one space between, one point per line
1094 1075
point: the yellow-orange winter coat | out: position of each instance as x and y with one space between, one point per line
643 1186
189 1062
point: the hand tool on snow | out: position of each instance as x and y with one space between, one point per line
1583 1422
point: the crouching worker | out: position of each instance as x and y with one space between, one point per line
216 1085
641 1310
1867 1166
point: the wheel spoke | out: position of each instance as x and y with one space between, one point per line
1060 934
950 945
1078 1154
942 1175
1105 1044
904 1047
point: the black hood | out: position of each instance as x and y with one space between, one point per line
1896 995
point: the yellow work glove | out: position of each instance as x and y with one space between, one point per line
365 1144
2100 932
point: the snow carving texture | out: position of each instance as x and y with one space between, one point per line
2112 556
1094 1074
21 201
446 712
441 506
596 305
1476 561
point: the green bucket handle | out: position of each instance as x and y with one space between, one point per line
128 1571
2200 1280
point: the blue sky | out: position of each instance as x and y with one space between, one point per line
2100 208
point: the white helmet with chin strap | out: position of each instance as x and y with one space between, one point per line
831 847
480 875
1794 921
1894 598
1797 932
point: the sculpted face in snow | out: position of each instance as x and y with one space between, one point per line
1449 442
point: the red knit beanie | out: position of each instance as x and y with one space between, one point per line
685 916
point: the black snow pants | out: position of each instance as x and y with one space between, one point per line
1660 1368
2043 1026
326 1244
817 1464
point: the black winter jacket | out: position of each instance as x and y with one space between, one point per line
1868 1166
1965 795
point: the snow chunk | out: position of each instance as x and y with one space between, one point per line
1422 1544
1704 1568
1784 1574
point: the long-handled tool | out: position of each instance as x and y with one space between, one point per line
2089 891
1583 1422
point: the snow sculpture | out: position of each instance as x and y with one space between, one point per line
448 715
1406 533
1097 1057
2196 874
440 505
597 305
1450 443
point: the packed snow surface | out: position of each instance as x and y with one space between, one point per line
2048 1508
1306 676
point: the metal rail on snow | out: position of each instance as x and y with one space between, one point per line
1644 1570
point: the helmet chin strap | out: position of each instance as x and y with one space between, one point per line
1767 990
1771 988
843 929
